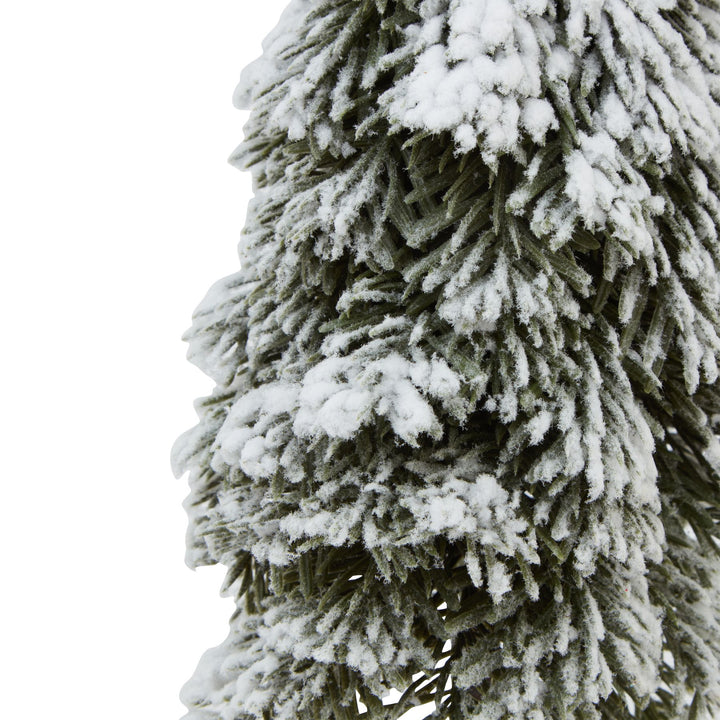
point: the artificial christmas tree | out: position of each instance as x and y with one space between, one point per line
461 444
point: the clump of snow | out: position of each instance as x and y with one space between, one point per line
458 507
603 198
338 396
335 398
484 82
246 437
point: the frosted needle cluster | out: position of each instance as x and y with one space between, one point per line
461 452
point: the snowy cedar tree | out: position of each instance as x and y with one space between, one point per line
462 441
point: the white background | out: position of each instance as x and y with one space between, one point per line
117 211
